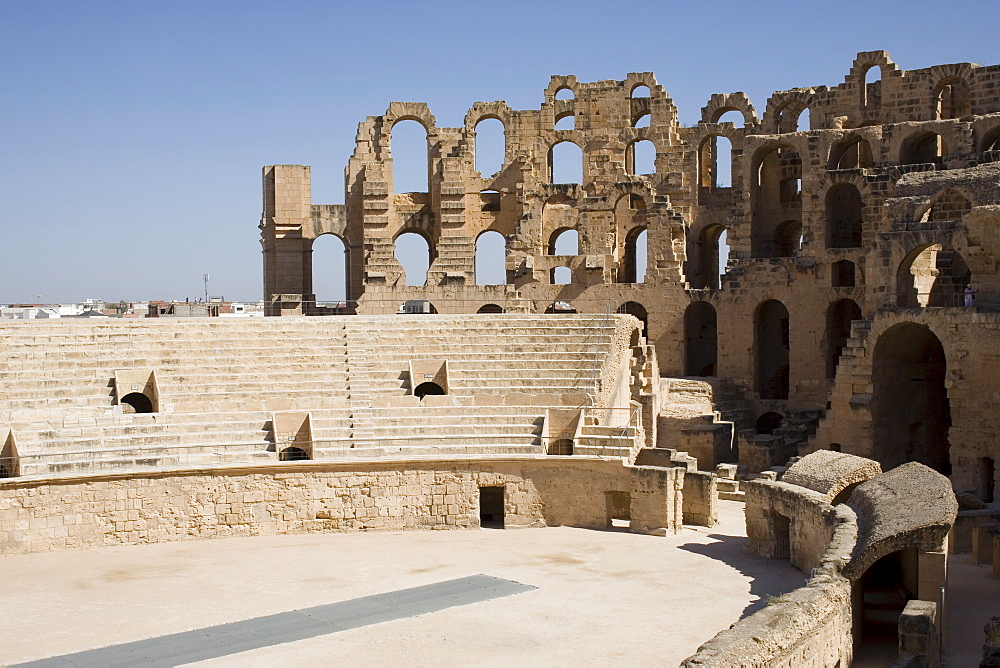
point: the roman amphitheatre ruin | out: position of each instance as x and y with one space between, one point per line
839 375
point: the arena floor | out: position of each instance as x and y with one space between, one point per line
600 597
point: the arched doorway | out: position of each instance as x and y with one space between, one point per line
932 275
293 454
490 308
329 269
426 388
700 340
413 251
136 402
911 414
771 345
491 258
838 330
880 595
635 256
639 311
768 422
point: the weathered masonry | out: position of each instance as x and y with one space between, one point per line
858 308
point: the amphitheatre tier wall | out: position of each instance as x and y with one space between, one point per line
89 511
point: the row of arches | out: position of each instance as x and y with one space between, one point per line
772 342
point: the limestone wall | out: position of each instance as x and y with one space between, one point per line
40 515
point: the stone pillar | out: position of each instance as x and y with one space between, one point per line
287 251
932 573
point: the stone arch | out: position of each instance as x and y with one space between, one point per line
771 350
844 215
707 269
922 146
775 194
932 276
486 153
136 402
991 140
559 213
639 311
481 111
635 262
701 339
839 317
843 274
853 152
948 204
415 257
409 169
784 108
721 103
714 161
564 239
952 98
491 258
409 111
768 422
788 238
561 82
428 388
911 413
570 156
640 159
338 275
491 308
293 454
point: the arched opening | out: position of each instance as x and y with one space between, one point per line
932 276
771 346
293 454
491 146
426 388
639 311
842 274
991 140
642 121
776 197
564 242
734 116
640 158
793 116
491 258
838 331
566 163
715 162
922 148
489 200
804 121
565 93
701 339
911 414
949 204
490 308
329 268
871 86
788 238
880 596
768 422
561 276
136 402
410 164
952 99
635 256
641 90
413 251
844 208
566 121
852 153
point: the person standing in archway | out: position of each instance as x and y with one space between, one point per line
970 295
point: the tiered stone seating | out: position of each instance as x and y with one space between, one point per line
219 383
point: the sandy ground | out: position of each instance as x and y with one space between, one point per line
603 597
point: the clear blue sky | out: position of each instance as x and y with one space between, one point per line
134 132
